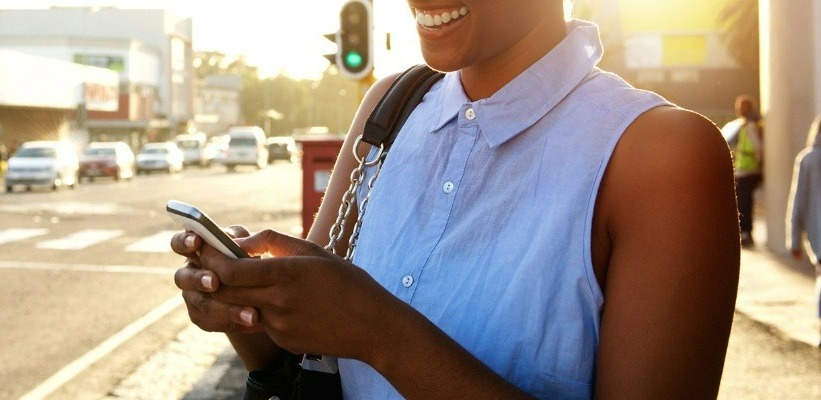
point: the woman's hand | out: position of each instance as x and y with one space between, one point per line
308 300
198 284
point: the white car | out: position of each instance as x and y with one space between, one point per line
246 146
196 149
43 163
165 156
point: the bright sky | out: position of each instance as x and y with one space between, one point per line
278 35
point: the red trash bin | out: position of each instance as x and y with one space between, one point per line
318 158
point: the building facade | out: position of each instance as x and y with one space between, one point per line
217 103
675 48
150 51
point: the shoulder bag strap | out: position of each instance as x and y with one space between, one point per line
381 128
396 105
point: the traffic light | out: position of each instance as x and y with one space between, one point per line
354 56
333 37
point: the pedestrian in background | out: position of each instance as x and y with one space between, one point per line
744 135
4 157
804 215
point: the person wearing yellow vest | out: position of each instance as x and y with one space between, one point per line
744 135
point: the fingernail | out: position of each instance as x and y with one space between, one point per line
247 317
189 241
206 281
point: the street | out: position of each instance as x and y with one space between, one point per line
88 293
80 266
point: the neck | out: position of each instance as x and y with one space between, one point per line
484 79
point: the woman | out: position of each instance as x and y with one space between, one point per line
539 229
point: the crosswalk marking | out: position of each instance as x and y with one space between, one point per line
80 240
18 234
124 269
157 243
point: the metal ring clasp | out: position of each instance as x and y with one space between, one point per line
365 161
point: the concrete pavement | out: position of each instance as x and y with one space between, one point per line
773 289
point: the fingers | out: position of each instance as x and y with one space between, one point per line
249 272
237 231
277 244
214 316
192 278
186 243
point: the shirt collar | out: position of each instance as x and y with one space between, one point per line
516 106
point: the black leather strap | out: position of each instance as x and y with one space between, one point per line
396 105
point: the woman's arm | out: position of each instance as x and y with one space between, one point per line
345 164
667 207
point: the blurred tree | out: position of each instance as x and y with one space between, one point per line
331 101
208 63
739 19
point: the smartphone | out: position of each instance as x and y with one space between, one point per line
192 219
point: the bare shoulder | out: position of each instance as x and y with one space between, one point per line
668 155
676 137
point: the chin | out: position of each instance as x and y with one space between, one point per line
442 61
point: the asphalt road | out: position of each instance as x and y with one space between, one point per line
88 292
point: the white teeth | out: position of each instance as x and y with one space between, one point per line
430 21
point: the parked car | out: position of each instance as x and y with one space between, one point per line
196 149
107 159
164 156
43 163
246 146
282 148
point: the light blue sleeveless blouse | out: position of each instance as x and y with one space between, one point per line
481 218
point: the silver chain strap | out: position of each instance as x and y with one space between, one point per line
349 200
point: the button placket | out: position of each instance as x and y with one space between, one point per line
465 137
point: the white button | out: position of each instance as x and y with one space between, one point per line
407 281
470 114
448 187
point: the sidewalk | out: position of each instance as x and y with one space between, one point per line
779 292
773 289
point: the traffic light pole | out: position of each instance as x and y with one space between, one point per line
365 84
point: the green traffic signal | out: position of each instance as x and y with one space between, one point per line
353 59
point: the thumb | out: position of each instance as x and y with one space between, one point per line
278 244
